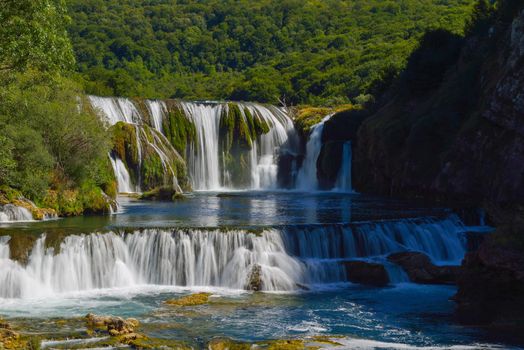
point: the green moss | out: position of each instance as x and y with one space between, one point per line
125 146
190 300
238 131
178 129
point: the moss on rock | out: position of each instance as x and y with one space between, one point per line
179 130
190 300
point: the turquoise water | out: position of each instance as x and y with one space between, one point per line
402 315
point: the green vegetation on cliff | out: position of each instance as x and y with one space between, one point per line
311 51
53 149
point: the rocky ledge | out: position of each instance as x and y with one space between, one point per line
420 269
491 285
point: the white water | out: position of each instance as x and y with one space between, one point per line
116 110
203 161
204 167
307 175
122 176
343 182
13 213
157 110
288 257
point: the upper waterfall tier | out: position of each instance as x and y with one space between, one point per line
281 258
225 145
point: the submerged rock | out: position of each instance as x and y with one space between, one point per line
366 273
420 269
190 300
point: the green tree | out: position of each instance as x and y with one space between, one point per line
33 34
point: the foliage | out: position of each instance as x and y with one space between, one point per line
48 141
33 34
316 52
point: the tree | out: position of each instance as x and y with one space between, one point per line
33 34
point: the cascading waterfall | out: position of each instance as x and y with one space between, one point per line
157 109
122 176
203 161
307 175
116 110
288 257
203 158
13 213
344 175
265 150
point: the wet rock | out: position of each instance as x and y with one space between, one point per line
190 300
115 326
10 339
420 269
255 279
491 285
366 273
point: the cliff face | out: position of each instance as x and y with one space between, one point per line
457 134
453 128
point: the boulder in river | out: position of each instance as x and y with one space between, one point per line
254 282
420 269
115 326
366 273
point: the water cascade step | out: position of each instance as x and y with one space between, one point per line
285 258
210 156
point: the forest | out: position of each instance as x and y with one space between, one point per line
292 51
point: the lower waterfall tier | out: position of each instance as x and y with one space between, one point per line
274 259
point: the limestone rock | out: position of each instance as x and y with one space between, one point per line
115 326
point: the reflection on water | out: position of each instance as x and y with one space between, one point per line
209 209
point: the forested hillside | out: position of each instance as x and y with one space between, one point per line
317 52
53 150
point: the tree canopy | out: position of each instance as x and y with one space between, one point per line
297 51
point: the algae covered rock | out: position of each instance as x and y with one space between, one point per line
190 300
115 326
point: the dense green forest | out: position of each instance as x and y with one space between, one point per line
52 149
295 51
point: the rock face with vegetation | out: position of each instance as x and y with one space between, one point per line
150 158
450 127
239 130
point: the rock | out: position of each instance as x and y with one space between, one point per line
254 282
491 285
366 273
115 326
420 269
190 300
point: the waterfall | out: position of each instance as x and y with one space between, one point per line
122 176
265 151
344 175
203 161
116 110
157 109
13 213
307 175
287 257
